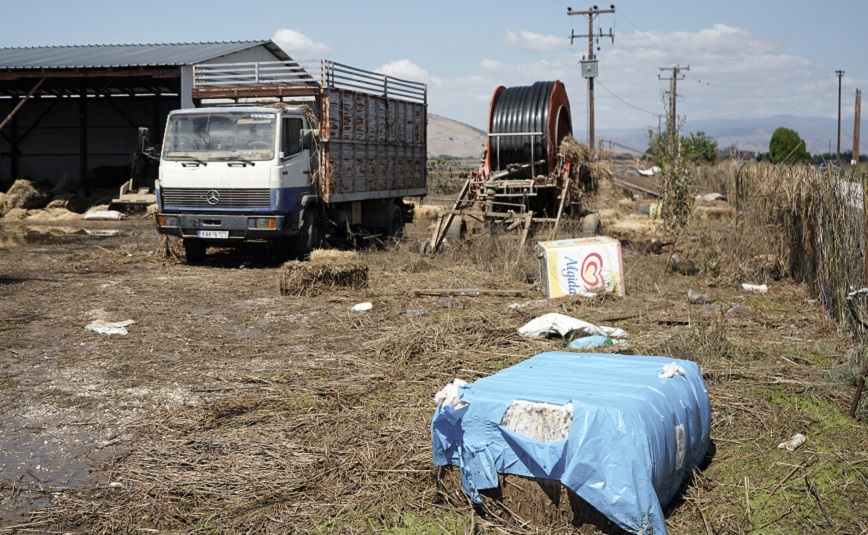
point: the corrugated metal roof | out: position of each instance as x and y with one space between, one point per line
118 56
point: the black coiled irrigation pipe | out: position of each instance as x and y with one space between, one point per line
520 112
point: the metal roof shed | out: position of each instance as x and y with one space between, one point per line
75 110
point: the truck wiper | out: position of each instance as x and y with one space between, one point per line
195 159
234 158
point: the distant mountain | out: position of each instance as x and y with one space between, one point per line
751 134
447 137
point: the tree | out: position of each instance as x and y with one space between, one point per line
787 147
699 147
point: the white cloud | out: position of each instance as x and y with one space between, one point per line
406 70
298 45
534 42
489 65
732 74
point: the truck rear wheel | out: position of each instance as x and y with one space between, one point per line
396 222
194 251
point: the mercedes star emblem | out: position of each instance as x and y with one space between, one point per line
213 196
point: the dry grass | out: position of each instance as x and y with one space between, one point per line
306 418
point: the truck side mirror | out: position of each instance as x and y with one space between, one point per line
143 137
307 140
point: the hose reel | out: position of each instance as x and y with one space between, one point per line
526 125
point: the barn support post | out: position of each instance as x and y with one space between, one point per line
14 151
82 139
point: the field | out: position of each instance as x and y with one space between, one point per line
230 408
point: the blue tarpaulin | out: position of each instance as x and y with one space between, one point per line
635 434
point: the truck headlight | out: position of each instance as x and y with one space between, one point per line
167 220
263 223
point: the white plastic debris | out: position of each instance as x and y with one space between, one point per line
107 327
759 288
711 197
361 307
696 297
671 370
449 394
794 442
516 306
108 215
543 422
554 323
102 232
653 170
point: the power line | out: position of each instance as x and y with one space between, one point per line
625 102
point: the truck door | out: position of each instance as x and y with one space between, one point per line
294 165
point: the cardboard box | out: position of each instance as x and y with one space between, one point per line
581 266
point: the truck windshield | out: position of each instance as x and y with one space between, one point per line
220 136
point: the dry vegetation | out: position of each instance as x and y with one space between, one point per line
230 408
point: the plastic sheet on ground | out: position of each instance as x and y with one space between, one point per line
632 436
554 323
109 327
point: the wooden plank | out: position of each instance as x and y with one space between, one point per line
20 104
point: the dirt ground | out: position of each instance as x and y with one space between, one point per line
229 408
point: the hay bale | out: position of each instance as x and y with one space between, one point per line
23 194
326 270
713 213
635 226
333 256
65 185
428 212
67 201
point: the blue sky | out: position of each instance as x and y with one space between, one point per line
757 58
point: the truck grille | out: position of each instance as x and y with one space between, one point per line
225 198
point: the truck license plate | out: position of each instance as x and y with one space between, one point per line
223 234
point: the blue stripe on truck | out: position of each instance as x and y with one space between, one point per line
286 199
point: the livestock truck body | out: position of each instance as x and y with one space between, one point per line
289 152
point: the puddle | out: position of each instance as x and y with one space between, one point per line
41 456
22 236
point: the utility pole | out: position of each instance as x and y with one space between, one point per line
671 121
839 74
589 63
856 129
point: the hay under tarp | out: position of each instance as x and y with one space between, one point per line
325 270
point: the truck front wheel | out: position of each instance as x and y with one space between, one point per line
194 251
310 236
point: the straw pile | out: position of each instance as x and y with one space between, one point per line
587 169
22 194
325 270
